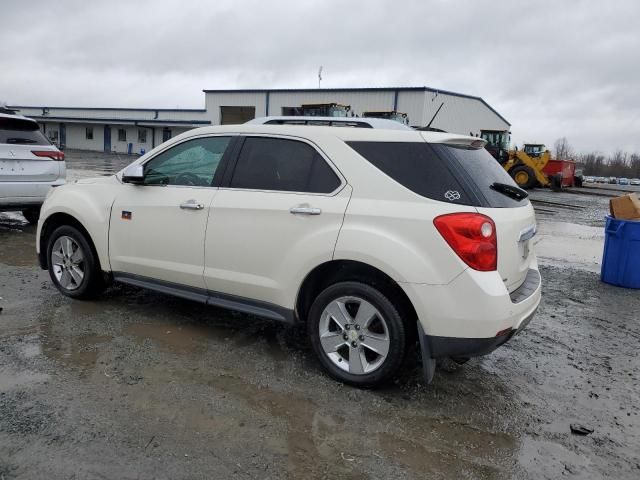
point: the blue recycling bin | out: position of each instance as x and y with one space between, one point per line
621 257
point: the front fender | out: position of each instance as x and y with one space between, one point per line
90 205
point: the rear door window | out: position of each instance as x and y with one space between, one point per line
17 131
282 165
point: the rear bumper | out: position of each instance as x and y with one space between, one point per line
18 195
475 313
471 347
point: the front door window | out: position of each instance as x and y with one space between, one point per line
191 163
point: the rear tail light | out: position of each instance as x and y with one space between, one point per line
52 154
473 237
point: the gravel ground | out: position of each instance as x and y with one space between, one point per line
141 385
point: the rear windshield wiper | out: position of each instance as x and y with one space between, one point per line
509 190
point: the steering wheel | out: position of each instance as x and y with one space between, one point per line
188 179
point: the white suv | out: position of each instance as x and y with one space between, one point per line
373 238
29 166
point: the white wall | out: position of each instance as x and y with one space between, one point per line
460 114
76 136
131 132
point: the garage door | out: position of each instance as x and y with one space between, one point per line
236 115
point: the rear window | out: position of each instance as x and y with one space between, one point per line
441 172
17 131
480 170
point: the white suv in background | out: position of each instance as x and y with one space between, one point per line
29 166
372 238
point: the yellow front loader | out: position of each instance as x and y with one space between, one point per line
526 166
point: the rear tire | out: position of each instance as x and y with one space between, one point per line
357 334
524 176
73 266
31 214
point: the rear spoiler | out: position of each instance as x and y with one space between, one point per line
463 141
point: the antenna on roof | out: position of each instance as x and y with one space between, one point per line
319 76
435 115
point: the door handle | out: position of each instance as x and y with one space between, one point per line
305 211
191 205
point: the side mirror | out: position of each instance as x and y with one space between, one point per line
133 174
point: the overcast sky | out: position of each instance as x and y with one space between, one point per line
552 68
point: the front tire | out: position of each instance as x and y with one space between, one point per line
73 267
357 334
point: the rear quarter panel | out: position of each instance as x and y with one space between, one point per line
399 238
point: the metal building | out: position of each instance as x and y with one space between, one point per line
136 129
123 130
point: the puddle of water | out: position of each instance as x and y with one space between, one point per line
28 330
78 352
569 244
434 460
310 445
175 338
17 244
10 379
558 460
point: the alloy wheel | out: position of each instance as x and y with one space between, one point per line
354 335
67 259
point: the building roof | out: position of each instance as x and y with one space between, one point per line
357 89
121 120
126 109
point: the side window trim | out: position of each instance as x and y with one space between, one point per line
227 157
226 182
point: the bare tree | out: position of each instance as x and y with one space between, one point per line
618 164
563 150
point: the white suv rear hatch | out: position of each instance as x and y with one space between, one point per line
26 157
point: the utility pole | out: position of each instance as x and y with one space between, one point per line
319 76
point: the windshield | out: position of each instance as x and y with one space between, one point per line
498 139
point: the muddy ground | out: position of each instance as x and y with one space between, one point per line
138 385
